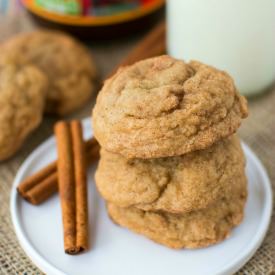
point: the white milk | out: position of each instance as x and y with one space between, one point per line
237 36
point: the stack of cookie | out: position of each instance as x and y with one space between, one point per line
171 167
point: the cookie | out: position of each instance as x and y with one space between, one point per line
175 184
195 229
22 98
162 107
66 62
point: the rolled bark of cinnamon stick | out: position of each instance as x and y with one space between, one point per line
66 185
80 185
36 178
93 154
42 191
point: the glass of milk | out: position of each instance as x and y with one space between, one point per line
237 36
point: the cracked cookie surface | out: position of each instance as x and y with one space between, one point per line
22 97
163 107
174 184
191 230
65 61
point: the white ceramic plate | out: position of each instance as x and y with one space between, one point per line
117 251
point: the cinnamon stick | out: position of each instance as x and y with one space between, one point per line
32 181
93 153
80 186
72 184
65 172
153 44
42 191
38 187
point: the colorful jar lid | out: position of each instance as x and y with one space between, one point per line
92 12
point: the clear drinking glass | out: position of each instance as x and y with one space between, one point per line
237 36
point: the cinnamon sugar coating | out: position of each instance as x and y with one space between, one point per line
178 184
162 107
194 229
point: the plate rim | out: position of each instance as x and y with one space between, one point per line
258 238
49 268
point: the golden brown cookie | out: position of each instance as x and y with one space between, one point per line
22 97
162 107
66 62
174 184
191 230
